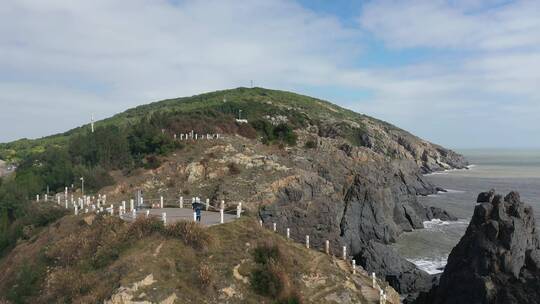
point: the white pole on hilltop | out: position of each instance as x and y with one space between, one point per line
92 123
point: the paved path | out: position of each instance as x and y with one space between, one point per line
208 218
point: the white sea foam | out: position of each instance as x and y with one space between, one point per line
430 265
453 191
450 170
438 224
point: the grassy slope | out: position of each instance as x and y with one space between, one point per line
253 103
46 265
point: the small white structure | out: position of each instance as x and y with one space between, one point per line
307 241
327 247
239 210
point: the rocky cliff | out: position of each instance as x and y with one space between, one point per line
498 258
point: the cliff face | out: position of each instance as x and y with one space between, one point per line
498 258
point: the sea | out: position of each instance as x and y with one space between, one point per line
502 170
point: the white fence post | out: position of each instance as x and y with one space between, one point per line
161 202
132 204
239 210
221 211
37 198
274 227
327 247
207 204
354 266
345 252
181 202
288 233
307 241
112 210
373 280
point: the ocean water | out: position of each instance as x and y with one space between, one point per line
503 170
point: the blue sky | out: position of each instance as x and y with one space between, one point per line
463 74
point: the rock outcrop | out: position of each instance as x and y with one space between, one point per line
363 205
498 258
387 264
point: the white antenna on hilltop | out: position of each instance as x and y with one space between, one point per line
92 123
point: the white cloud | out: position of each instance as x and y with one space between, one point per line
69 58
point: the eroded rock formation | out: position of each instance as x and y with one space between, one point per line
498 258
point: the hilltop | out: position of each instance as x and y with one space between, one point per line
260 103
296 161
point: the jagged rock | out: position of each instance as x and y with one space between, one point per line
439 213
387 264
486 197
498 258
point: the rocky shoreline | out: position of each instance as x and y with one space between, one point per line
498 258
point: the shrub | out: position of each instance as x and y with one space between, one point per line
206 276
234 169
267 281
151 162
310 144
192 234
143 226
266 253
27 282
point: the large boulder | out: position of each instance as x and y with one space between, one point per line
497 260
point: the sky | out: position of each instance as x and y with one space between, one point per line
464 74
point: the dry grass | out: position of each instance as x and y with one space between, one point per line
206 276
192 234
